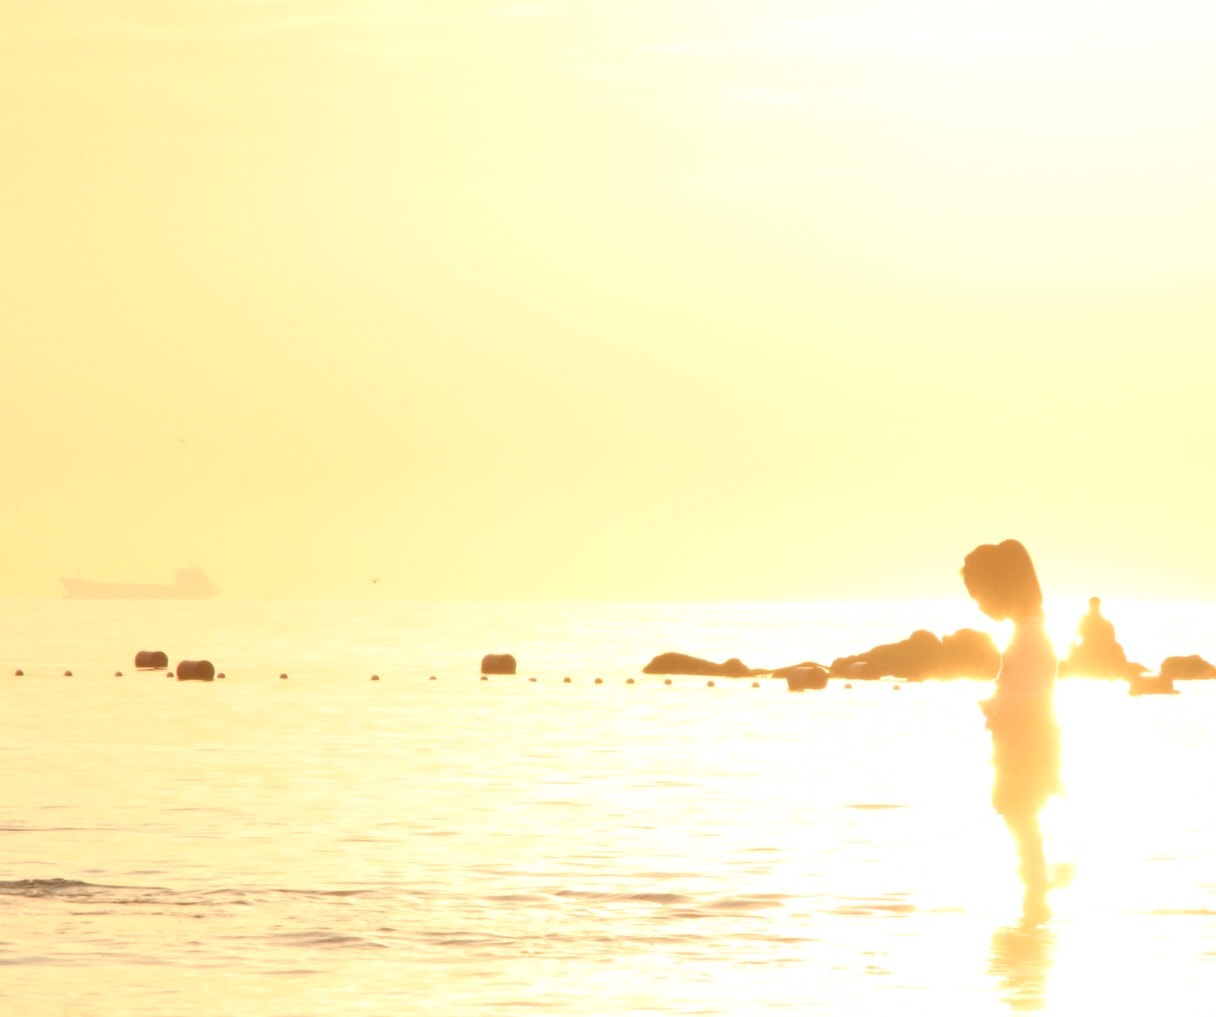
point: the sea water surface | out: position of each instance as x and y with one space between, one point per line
324 843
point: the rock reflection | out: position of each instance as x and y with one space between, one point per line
1021 959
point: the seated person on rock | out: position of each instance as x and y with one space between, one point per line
1095 651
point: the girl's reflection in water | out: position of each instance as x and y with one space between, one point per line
1021 960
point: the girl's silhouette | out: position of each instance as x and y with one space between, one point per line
1020 715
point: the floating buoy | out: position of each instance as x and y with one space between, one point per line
67 674
19 672
283 676
566 681
755 685
599 681
485 678
709 685
168 674
848 685
896 687
531 679
221 675
666 681
152 659
195 670
117 674
432 678
628 681
375 677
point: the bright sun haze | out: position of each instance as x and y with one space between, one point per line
628 300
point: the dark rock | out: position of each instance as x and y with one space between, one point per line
1095 652
969 653
966 653
813 676
681 663
1192 666
498 663
195 670
785 672
1151 684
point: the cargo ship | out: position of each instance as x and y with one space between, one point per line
188 584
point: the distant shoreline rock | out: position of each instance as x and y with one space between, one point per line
682 663
1192 666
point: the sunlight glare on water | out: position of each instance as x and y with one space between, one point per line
325 843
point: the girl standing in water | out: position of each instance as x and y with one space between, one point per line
1021 714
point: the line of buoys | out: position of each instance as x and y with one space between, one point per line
196 671
204 670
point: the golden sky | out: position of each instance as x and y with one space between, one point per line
607 299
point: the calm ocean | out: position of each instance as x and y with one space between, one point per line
326 844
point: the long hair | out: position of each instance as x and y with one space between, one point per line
1002 576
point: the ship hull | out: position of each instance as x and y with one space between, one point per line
191 584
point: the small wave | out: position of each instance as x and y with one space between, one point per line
78 893
608 896
869 907
517 898
45 887
326 940
754 902
288 891
1194 912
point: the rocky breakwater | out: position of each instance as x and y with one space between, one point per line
966 653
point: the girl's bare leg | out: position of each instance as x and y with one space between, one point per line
1032 867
